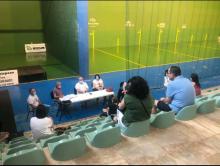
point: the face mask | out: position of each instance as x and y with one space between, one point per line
81 82
97 78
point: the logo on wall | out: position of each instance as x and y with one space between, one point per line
129 24
92 22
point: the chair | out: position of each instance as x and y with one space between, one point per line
20 148
207 106
30 110
67 149
63 108
163 119
44 142
105 125
217 101
73 129
214 95
18 139
20 143
103 138
34 156
201 99
186 113
136 129
45 137
82 131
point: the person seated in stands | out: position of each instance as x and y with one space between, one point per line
195 82
97 83
81 86
57 91
33 99
121 91
137 103
166 78
41 125
180 92
111 108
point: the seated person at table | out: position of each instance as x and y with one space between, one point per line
81 86
121 91
33 99
137 103
195 82
166 78
179 93
57 91
111 108
41 125
97 83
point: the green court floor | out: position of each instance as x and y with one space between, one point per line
53 67
104 60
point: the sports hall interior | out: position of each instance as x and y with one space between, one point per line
117 40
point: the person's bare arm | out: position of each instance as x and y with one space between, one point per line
121 105
166 100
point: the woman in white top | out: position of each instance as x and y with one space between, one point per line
41 125
33 99
166 79
97 83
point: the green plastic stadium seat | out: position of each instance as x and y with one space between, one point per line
44 142
105 137
187 113
163 119
45 137
20 143
201 99
67 149
214 95
136 129
22 147
105 125
34 156
92 124
72 130
217 101
206 106
82 131
18 139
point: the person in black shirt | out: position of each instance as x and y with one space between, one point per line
122 91
111 108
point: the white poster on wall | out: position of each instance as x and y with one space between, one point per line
8 78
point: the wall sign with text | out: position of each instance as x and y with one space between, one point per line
8 78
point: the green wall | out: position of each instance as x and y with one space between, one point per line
20 23
60 29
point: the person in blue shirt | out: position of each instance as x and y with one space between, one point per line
180 92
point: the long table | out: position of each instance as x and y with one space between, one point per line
86 96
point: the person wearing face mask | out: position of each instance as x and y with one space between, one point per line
97 83
57 91
81 87
33 99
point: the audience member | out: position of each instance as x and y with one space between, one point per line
33 99
180 92
136 104
111 108
57 91
166 78
196 84
41 125
81 86
97 83
122 91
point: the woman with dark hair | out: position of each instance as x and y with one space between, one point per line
121 91
196 84
97 83
41 125
136 104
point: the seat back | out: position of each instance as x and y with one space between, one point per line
214 95
20 143
34 156
136 129
81 132
67 149
217 101
163 119
72 130
206 106
106 137
18 139
19 148
44 142
45 137
187 113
